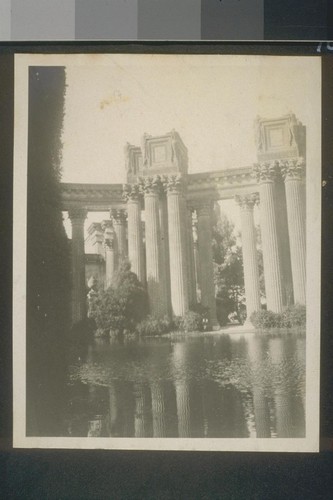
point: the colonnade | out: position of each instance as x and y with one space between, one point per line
172 255
275 236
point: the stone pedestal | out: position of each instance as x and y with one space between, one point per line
152 189
206 269
77 217
292 172
110 251
135 242
250 257
177 247
266 173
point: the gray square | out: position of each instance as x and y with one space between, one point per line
169 20
43 20
106 19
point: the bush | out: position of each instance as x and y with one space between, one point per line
154 326
122 305
264 319
191 322
294 316
291 317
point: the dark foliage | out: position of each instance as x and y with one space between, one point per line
48 271
151 326
123 305
292 317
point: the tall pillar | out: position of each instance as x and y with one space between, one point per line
192 291
283 233
250 257
206 269
292 172
110 251
152 188
196 255
135 239
77 217
118 217
165 258
270 245
177 246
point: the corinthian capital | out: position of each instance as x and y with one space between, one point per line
151 185
204 208
265 171
77 214
131 192
292 169
173 183
118 216
247 201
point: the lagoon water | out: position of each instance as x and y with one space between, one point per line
209 385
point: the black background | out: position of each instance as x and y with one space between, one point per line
96 474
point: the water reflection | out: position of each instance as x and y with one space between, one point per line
198 386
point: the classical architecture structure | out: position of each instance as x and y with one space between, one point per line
161 219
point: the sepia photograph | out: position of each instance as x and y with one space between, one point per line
166 252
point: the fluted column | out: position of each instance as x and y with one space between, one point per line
135 239
152 188
177 246
206 269
110 251
292 172
77 217
165 258
270 245
250 257
192 292
118 217
196 255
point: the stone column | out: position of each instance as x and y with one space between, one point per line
77 217
135 239
206 269
292 172
250 257
192 291
266 173
110 251
177 246
165 258
152 188
118 217
196 255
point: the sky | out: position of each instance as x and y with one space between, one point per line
212 101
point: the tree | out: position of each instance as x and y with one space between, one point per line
48 269
228 268
123 305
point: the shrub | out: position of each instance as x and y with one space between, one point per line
263 319
122 305
191 322
291 317
154 326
